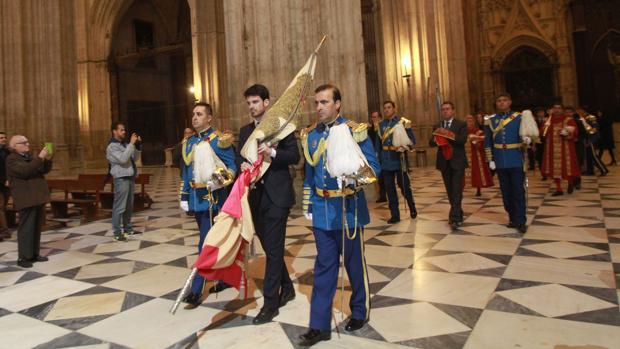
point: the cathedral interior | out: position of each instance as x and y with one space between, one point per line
69 69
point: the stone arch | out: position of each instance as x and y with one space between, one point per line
105 15
510 46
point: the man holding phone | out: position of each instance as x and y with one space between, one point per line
122 158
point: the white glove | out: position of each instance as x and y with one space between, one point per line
184 205
527 140
564 132
492 165
347 182
308 215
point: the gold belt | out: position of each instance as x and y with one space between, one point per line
390 147
334 193
508 146
197 185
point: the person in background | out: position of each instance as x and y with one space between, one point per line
373 133
540 115
177 152
30 193
560 157
451 160
607 138
122 158
478 174
4 190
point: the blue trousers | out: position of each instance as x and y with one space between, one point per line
204 225
512 185
402 178
326 267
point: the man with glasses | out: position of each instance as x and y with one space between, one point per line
30 193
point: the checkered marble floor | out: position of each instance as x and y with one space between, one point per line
482 286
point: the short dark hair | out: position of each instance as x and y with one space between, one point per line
207 106
335 91
503 94
448 103
116 124
257 90
390 102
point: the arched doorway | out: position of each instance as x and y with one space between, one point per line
150 73
529 78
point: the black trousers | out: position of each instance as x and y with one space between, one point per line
29 231
381 188
270 225
592 160
390 189
453 181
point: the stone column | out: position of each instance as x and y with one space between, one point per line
424 39
269 44
38 73
209 57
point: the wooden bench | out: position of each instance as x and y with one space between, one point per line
88 203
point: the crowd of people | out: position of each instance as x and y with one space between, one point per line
564 143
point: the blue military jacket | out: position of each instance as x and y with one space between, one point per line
327 211
390 159
502 142
198 196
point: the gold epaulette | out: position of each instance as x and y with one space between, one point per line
359 131
406 122
224 139
591 118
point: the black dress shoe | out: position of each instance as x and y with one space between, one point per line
454 226
24 263
354 325
393 220
571 188
192 300
413 214
511 225
381 200
313 336
39 259
287 296
558 193
522 228
219 287
265 315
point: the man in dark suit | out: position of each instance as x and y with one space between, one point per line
271 201
451 159
30 194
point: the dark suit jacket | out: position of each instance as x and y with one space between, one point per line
25 175
459 158
277 181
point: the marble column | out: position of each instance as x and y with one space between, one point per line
38 74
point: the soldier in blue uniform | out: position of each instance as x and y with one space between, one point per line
322 203
392 167
503 146
204 199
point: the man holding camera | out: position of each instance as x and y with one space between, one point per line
30 193
122 159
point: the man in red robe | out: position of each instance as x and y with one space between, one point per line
478 175
560 158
